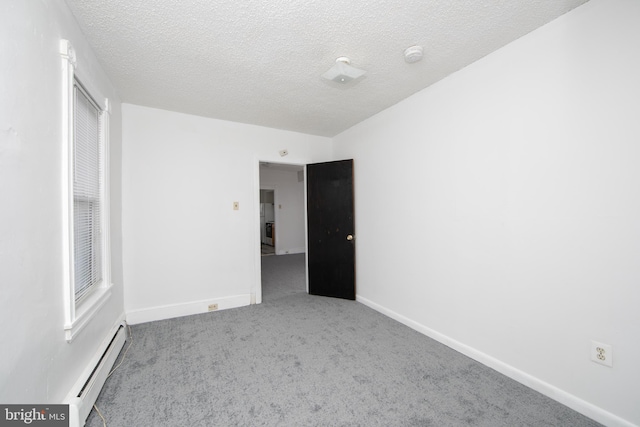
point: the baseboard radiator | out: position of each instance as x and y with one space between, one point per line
84 393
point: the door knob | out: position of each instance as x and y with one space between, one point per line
350 237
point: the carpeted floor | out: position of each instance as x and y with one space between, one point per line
267 250
300 360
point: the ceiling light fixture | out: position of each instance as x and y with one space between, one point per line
343 72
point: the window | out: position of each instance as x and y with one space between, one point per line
87 184
85 193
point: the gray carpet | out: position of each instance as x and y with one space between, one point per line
300 360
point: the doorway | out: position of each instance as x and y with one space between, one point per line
328 190
282 216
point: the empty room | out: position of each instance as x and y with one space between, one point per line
416 213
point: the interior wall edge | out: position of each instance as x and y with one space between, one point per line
579 405
152 314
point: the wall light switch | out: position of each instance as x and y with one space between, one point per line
236 206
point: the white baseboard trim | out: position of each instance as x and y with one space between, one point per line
162 312
291 251
585 408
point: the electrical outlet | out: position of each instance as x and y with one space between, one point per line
602 353
213 307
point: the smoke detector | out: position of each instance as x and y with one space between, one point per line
413 54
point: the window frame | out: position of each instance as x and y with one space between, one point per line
79 312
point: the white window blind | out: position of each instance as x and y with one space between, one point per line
87 191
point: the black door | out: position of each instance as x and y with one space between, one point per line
330 228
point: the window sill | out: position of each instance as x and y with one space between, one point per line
87 310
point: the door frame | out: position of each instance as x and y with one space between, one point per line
256 289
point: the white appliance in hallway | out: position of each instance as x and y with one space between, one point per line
267 223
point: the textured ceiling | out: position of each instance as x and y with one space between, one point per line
260 61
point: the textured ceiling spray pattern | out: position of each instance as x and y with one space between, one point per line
260 62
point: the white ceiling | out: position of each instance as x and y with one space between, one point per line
260 61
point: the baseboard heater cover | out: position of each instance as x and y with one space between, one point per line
84 393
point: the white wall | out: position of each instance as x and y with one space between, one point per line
289 209
499 209
37 364
184 245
